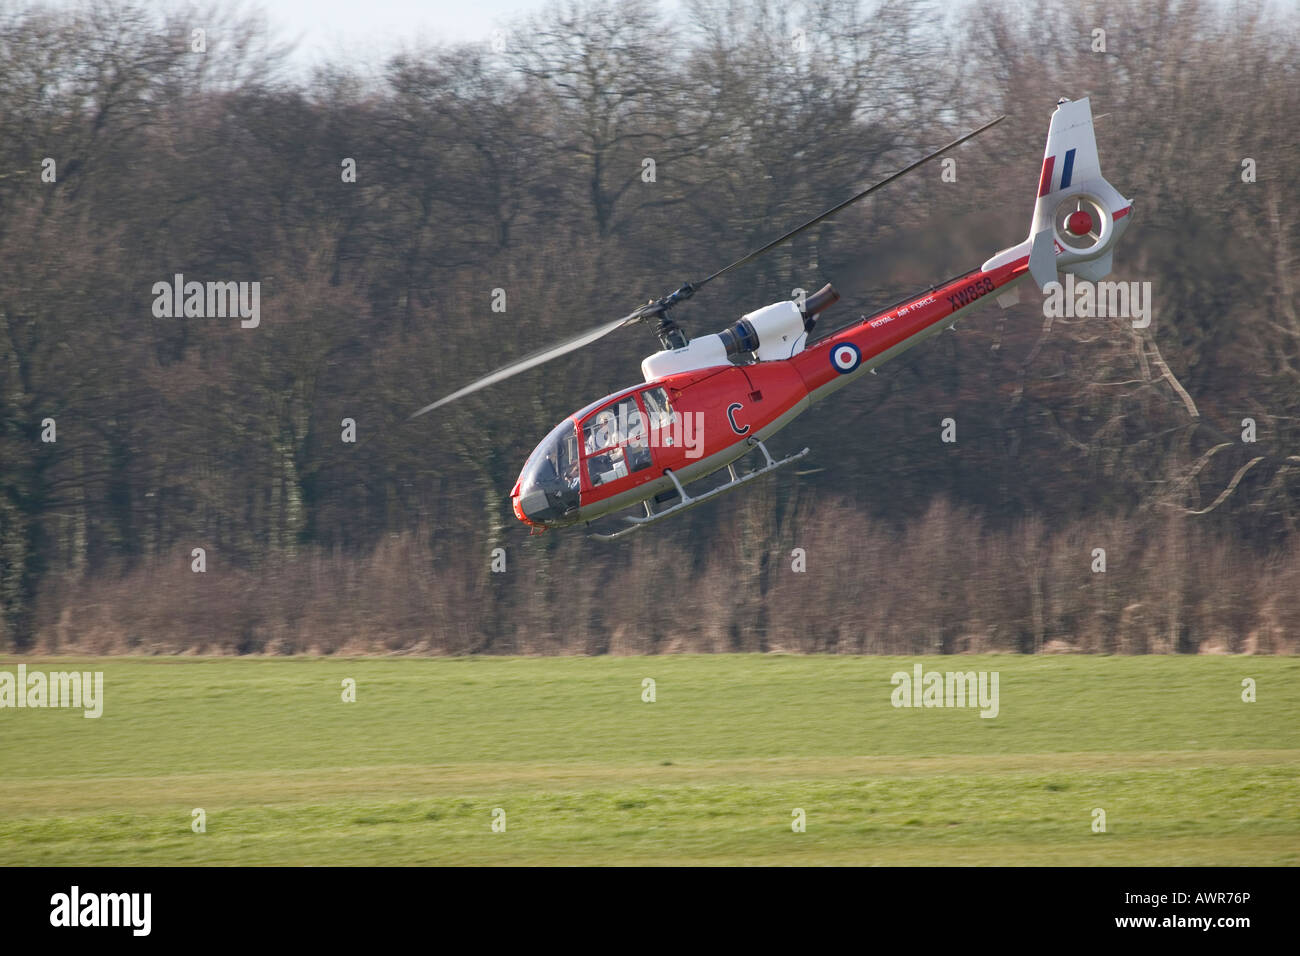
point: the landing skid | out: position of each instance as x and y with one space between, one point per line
688 502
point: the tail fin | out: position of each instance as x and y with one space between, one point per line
1078 215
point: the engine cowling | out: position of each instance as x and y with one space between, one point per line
779 330
776 331
704 352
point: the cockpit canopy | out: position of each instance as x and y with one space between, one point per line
617 436
548 485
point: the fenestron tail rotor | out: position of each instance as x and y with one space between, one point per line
1079 220
670 334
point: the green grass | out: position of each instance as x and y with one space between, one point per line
709 773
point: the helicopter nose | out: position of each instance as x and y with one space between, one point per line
533 509
519 511
516 506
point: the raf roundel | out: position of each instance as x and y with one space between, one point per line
845 358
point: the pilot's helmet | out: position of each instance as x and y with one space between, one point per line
606 428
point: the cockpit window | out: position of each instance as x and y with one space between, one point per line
614 441
657 408
548 485
556 458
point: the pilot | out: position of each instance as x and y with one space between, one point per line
605 433
602 444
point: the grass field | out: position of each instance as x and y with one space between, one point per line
709 773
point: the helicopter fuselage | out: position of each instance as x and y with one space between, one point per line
707 402
717 412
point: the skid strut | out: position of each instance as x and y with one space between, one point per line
687 501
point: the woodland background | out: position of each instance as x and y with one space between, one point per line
521 170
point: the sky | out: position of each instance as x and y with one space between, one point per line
350 28
370 30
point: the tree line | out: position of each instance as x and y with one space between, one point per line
601 155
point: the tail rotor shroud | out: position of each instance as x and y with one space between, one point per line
1082 224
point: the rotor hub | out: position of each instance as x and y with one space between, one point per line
1079 222
671 335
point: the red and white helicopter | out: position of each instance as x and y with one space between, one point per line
707 402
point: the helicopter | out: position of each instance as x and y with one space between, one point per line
706 402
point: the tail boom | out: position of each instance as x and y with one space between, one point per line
1079 241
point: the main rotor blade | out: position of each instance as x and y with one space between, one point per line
537 358
848 202
660 306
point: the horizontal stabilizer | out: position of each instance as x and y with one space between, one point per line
1042 258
